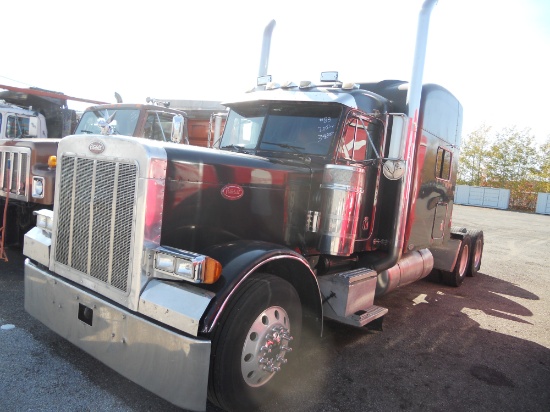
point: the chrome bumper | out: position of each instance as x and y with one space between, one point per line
173 366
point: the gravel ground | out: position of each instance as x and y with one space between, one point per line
482 347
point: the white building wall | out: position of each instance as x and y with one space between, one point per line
543 204
482 196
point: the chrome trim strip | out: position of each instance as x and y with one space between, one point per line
18 182
71 224
90 227
113 220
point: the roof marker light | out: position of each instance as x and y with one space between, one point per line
349 86
288 85
263 80
329 76
272 86
304 84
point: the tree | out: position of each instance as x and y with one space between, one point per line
512 157
473 156
513 164
544 167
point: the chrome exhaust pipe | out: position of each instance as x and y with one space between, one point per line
266 44
408 147
415 85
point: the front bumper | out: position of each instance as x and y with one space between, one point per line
173 366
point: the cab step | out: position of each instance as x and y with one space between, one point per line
359 318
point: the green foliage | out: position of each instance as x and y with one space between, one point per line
472 157
544 166
511 161
512 158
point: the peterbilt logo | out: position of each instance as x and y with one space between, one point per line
96 147
232 192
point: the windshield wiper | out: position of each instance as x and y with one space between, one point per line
297 149
239 149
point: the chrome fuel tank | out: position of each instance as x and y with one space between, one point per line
342 192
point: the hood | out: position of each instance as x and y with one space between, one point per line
215 197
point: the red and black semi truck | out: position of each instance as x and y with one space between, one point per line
194 271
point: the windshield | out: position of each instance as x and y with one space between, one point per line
243 127
298 127
122 121
18 127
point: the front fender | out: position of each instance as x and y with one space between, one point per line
241 259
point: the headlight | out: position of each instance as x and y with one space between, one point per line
184 265
185 268
38 187
44 219
164 262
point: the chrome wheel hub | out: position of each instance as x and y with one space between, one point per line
265 346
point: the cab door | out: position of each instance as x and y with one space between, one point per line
361 145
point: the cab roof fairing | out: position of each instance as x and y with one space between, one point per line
306 96
137 106
364 100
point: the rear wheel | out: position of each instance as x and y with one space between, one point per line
477 252
457 275
260 326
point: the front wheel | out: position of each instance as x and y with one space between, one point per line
259 328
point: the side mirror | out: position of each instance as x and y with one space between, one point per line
178 121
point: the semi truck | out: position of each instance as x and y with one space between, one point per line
30 151
153 120
195 272
32 120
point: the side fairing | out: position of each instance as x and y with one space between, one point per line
439 133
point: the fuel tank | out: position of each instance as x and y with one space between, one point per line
342 191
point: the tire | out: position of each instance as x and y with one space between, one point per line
457 275
457 232
261 322
476 253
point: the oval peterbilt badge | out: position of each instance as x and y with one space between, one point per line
96 147
232 192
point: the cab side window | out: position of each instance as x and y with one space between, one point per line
158 126
17 127
359 139
443 164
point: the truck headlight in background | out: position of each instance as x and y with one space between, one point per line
180 264
38 240
44 219
38 187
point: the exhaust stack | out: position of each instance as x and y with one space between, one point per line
415 85
266 44
408 146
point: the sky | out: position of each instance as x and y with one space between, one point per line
493 55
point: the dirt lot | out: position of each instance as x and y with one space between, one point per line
482 347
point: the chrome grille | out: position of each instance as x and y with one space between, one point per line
95 218
16 180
